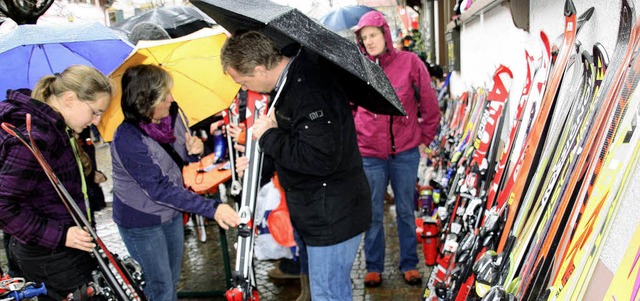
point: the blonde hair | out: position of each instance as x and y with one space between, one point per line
85 81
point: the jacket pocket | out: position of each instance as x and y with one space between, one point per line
308 212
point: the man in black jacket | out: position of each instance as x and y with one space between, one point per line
311 143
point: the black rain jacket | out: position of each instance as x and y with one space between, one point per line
315 152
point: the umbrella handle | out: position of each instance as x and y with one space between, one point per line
275 99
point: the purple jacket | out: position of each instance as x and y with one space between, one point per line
30 208
411 80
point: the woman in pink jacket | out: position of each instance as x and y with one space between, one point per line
391 145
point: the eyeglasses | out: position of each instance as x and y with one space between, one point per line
96 113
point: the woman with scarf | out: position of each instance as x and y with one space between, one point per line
148 152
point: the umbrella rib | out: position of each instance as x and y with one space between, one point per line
169 56
29 65
79 54
194 81
46 56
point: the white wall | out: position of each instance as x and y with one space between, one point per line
492 39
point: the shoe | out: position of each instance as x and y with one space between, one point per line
412 277
372 279
278 274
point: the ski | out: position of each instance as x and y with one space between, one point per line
232 116
531 93
117 279
515 187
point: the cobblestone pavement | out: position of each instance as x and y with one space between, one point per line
203 273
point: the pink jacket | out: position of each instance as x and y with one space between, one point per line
411 80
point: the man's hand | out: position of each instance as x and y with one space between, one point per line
262 124
226 216
194 145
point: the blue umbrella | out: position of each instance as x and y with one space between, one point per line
344 17
31 51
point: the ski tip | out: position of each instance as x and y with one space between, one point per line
586 15
9 128
569 8
628 5
28 121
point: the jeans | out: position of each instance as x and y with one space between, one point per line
330 270
159 251
402 170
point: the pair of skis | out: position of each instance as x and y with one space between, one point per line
244 282
117 279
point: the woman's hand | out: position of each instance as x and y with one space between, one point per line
194 145
217 125
80 239
99 177
226 216
422 148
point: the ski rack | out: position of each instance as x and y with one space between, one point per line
243 278
123 285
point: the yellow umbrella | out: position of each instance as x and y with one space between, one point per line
199 85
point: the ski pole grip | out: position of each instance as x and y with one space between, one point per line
32 291
28 292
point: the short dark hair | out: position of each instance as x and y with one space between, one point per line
143 87
243 52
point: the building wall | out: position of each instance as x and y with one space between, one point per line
492 39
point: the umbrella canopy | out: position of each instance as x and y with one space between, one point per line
364 82
174 21
199 85
30 52
344 17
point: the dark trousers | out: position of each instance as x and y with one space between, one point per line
14 270
62 271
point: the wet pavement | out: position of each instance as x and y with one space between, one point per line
203 272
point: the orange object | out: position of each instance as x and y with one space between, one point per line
201 181
242 139
279 221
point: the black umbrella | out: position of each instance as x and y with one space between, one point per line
164 23
365 82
